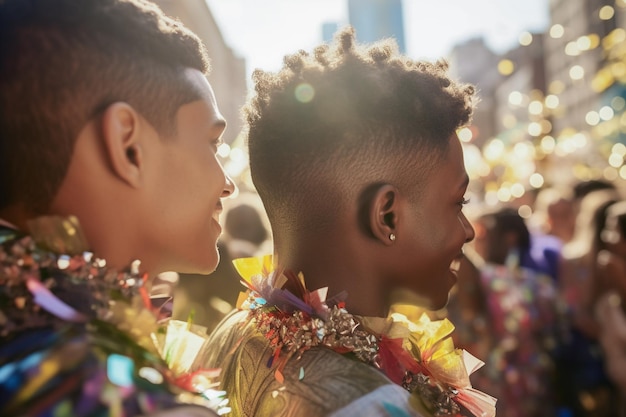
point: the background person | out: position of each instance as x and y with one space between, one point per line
584 387
523 316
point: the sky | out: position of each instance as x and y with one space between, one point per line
263 31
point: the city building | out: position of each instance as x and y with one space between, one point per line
586 73
228 75
377 19
473 62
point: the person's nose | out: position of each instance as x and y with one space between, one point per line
470 233
229 186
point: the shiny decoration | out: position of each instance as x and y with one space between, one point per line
82 339
420 356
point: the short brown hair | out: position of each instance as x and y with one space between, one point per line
62 62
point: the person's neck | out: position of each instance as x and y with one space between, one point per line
338 266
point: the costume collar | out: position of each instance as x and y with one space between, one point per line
39 270
420 356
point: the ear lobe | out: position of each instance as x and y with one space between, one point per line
120 132
383 215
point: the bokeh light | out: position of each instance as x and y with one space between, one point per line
506 67
525 38
606 12
576 72
557 31
304 92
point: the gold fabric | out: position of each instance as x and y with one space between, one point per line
317 384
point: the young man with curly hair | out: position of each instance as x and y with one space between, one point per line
353 150
108 139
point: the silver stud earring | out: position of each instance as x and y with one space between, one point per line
392 237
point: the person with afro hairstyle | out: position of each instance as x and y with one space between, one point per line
108 177
354 153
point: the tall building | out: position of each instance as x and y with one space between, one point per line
503 126
586 72
328 31
574 55
519 91
228 72
377 19
473 62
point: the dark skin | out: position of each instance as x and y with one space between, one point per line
355 253
352 251
364 187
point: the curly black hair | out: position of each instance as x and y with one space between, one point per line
349 112
62 62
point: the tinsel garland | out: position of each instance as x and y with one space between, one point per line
418 356
72 325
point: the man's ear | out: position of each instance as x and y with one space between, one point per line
121 125
383 213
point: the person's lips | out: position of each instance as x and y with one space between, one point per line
455 265
218 210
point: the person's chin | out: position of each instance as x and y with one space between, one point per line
441 301
212 261
206 268
206 263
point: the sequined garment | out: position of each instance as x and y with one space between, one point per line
524 314
76 337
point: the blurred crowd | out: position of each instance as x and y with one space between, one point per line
531 300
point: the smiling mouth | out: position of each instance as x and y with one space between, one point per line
455 265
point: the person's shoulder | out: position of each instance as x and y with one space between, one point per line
387 400
319 383
546 241
315 366
75 355
327 372
222 340
261 382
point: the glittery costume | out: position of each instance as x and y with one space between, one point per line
330 380
300 355
524 318
79 339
